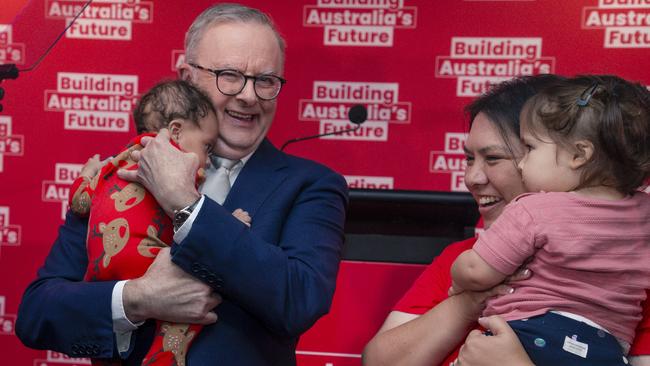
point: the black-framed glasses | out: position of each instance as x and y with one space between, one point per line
231 82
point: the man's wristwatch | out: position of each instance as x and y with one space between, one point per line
180 216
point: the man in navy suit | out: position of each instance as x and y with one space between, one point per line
256 289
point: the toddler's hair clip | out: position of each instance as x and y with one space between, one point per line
586 95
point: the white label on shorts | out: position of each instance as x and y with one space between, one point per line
572 345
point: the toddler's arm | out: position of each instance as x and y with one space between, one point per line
471 272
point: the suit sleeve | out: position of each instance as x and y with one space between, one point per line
286 284
61 312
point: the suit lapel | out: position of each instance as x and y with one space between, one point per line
258 179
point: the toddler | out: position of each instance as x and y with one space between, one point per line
585 235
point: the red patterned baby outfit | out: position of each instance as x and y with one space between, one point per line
126 230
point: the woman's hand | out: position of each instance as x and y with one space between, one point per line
500 348
408 339
470 304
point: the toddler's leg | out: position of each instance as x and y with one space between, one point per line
553 339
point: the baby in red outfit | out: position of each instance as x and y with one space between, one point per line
127 228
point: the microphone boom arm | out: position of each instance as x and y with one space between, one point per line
357 115
288 142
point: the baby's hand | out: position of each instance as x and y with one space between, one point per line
243 216
92 167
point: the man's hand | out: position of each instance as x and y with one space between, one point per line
166 292
243 216
165 171
501 348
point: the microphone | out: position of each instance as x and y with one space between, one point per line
357 115
8 71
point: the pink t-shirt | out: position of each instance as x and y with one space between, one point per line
590 257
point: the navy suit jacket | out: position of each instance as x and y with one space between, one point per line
276 277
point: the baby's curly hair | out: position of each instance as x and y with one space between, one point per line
610 112
169 100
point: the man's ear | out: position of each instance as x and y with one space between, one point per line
185 72
175 127
583 152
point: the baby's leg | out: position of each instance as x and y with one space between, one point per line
243 216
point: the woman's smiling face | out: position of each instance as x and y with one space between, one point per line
491 174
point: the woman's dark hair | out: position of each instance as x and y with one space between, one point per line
611 113
502 104
169 100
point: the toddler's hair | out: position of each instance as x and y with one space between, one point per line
610 112
503 102
169 100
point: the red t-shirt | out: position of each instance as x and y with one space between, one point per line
431 288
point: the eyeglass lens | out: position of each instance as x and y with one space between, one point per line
232 82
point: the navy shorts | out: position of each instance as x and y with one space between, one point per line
555 340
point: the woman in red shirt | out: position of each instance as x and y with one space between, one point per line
426 327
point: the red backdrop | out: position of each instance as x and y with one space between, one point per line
413 63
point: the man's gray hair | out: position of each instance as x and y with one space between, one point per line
226 13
